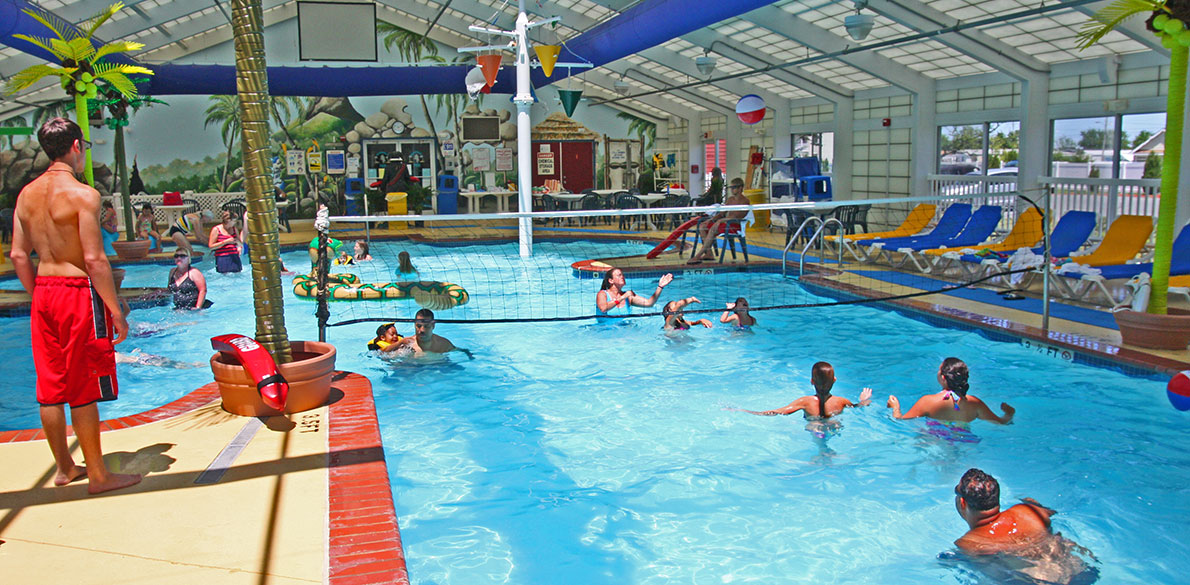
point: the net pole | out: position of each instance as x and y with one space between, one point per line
323 312
524 101
1045 275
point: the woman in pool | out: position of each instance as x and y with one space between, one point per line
737 314
361 251
405 264
188 225
225 245
187 284
822 405
674 319
612 299
952 404
111 228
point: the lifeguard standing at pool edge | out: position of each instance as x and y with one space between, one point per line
75 312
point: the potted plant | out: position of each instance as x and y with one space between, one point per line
131 249
306 366
1168 19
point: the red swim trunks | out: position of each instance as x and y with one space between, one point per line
72 343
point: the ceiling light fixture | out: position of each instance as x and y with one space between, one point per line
621 86
859 25
705 63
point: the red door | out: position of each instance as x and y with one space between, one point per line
578 165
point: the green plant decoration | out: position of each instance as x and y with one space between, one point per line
1168 20
80 65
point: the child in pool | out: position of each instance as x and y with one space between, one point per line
674 319
737 314
822 405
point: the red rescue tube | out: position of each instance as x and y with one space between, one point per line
670 239
259 364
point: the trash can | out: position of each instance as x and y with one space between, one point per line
448 194
397 206
354 205
757 197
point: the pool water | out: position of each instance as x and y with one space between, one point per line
569 452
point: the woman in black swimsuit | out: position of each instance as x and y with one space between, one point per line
187 284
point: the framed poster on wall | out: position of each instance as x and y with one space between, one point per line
504 159
481 159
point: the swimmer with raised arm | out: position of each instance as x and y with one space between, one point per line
737 314
675 319
612 299
822 376
952 404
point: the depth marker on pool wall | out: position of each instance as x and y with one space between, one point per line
223 461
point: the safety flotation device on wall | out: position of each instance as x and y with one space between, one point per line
259 364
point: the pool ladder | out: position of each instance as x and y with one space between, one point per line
801 264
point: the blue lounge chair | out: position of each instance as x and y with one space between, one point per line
979 228
949 225
1070 233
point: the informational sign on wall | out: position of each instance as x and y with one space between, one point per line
295 162
353 164
314 161
617 153
545 163
481 159
336 163
504 159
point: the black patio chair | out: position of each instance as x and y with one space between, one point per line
236 207
590 202
6 224
625 200
192 205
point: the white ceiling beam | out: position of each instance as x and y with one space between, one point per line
974 43
794 76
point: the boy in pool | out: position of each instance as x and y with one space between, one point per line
674 320
952 404
822 405
1023 531
737 314
423 340
386 339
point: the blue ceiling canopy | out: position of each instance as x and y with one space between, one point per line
647 24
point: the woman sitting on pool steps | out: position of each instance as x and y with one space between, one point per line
952 404
822 404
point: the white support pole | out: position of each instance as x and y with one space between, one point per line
733 161
694 144
1035 135
524 101
782 132
842 168
925 139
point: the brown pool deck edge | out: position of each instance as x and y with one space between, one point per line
363 538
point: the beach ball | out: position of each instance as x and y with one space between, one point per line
1178 390
750 109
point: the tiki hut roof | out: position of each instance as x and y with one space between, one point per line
557 126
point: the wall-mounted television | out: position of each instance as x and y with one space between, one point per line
480 129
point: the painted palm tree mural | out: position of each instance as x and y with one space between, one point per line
643 129
225 111
412 47
1168 19
13 122
81 66
121 107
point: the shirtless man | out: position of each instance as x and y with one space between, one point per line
423 340
952 404
977 499
714 225
75 308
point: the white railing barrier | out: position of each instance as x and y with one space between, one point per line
1108 198
212 201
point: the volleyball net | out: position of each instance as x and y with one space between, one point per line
549 264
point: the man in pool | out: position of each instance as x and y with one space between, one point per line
1023 531
75 312
423 340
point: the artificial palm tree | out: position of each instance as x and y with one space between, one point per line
80 64
247 20
1168 19
225 111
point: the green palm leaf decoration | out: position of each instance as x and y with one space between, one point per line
1168 19
80 67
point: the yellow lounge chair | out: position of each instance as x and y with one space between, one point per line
916 221
1125 238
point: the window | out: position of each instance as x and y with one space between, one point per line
819 144
976 148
